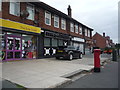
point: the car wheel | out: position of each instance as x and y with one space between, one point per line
57 57
80 56
70 57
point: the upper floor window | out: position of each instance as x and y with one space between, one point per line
63 24
31 11
56 21
0 5
15 8
71 27
86 32
80 30
76 28
47 18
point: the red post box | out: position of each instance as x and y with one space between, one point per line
97 53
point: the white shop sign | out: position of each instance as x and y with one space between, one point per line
78 39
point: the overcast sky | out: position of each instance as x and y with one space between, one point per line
101 15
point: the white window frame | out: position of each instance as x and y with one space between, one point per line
47 16
72 27
13 10
76 28
0 5
63 23
80 30
86 32
56 19
32 8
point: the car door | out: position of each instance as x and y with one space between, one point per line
75 52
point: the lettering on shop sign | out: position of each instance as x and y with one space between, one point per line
56 35
28 29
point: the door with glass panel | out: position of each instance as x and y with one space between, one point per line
13 47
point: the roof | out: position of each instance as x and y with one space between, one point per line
55 11
99 35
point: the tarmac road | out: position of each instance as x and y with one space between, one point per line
107 78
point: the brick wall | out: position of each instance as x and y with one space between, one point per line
40 16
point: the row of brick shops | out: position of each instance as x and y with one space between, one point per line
21 41
36 29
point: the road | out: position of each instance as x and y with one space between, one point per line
107 78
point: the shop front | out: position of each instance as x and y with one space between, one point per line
18 41
52 40
78 42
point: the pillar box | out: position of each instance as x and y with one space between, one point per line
97 53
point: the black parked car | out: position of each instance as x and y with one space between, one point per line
68 52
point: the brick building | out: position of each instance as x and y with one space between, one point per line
102 41
35 30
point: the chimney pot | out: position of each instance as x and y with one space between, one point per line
103 34
69 10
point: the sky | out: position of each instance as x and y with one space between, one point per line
101 15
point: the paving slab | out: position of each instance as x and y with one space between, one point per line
43 73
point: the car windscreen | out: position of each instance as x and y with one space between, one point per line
62 47
70 47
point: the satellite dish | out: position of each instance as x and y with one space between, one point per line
24 14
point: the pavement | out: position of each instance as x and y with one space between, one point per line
45 73
107 78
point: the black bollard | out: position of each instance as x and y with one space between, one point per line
114 55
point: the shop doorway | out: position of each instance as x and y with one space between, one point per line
13 47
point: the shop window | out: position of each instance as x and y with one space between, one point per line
3 44
71 27
15 8
63 24
17 54
47 18
31 11
14 34
76 28
60 43
9 55
29 46
56 21
47 42
54 42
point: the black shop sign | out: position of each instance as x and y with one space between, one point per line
56 35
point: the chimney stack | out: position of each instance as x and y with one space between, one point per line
69 11
103 34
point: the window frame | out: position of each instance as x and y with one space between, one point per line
47 12
48 44
86 33
54 42
0 5
76 28
33 11
63 22
80 30
71 28
56 19
18 11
